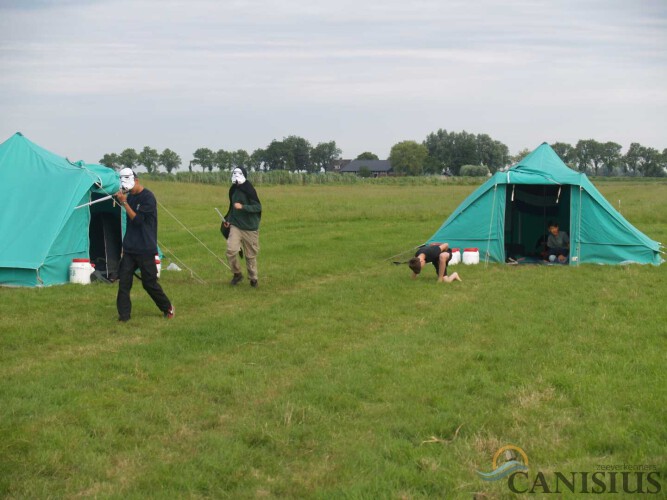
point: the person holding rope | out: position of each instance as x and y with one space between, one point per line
437 254
139 246
242 219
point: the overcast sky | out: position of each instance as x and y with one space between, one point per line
84 78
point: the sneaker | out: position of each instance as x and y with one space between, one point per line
236 279
254 284
170 313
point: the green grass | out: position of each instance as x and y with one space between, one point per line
330 379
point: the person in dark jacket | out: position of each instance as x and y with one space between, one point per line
139 246
242 219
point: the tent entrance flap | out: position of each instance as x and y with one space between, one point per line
528 211
106 237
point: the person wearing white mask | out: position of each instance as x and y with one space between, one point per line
139 246
242 219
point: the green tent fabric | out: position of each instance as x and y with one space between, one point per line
41 228
507 216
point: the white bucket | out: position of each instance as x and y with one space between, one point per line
471 256
80 271
158 264
456 257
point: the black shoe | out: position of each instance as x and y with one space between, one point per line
254 284
236 279
123 320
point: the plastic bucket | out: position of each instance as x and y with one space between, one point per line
456 256
158 264
471 256
80 271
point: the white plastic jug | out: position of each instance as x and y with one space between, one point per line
471 256
80 271
456 257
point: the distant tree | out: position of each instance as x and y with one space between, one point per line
448 151
204 158
609 156
298 153
367 155
257 159
408 158
222 160
632 160
652 164
240 158
439 145
111 160
170 160
128 158
588 155
324 154
566 152
149 158
275 155
492 154
520 156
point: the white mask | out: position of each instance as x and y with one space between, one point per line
237 176
126 179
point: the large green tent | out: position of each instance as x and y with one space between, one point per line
508 215
42 229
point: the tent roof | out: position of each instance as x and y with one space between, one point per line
542 166
41 191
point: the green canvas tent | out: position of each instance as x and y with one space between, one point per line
41 228
508 215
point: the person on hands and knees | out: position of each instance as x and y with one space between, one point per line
242 219
437 254
139 246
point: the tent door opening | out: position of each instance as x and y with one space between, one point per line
528 211
106 237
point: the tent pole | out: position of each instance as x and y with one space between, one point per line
488 241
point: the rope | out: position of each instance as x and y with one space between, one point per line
194 236
192 273
399 254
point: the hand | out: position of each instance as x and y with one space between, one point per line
121 197
227 224
238 206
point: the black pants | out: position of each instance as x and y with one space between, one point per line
146 264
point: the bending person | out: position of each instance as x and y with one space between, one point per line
437 254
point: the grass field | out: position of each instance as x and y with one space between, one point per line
340 376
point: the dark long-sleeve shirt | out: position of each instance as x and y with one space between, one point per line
141 232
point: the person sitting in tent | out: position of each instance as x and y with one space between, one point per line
558 244
139 246
438 255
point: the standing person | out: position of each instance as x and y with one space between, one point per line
558 244
139 246
437 254
242 219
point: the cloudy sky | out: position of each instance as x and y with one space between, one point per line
84 78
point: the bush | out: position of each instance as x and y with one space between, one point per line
474 171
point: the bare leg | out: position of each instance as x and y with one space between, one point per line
453 277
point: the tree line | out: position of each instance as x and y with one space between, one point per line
442 152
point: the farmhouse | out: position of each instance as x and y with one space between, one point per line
377 168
